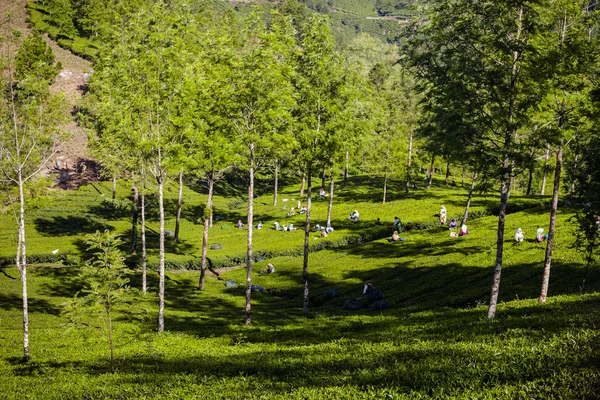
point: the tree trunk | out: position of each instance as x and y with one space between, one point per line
22 267
431 171
211 182
161 262
248 319
114 188
110 333
574 174
330 207
550 241
276 183
504 193
385 179
529 182
303 184
347 165
143 237
179 206
466 213
509 138
307 243
447 173
134 218
410 142
211 195
546 158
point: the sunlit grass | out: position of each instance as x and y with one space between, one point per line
434 341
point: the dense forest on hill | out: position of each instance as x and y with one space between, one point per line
76 24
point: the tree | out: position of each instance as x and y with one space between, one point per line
255 97
482 55
571 54
29 129
385 144
105 291
321 117
587 187
139 77
34 57
209 151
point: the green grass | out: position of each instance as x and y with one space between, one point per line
434 342
62 218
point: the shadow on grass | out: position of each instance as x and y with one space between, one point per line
12 302
68 226
430 355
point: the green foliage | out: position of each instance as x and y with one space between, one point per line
35 58
100 303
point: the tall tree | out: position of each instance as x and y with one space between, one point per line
139 77
321 117
29 128
209 151
482 54
255 97
571 53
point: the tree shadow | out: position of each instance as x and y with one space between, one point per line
13 302
68 226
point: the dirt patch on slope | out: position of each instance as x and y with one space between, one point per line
72 164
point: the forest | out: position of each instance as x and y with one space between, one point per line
320 199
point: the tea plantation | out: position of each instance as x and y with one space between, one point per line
434 342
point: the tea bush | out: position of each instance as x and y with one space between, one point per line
434 341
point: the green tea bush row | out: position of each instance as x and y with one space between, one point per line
40 259
82 47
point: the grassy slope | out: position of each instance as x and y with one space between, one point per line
60 219
434 341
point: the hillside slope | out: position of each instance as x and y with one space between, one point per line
70 81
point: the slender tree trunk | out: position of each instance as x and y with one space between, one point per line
529 182
410 142
179 206
431 169
211 195
276 183
211 182
110 332
447 173
114 188
504 194
248 319
161 262
385 179
143 237
330 207
303 184
134 218
507 164
550 241
22 267
347 165
574 174
466 213
546 158
505 188
307 242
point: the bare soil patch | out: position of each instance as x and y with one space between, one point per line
68 164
